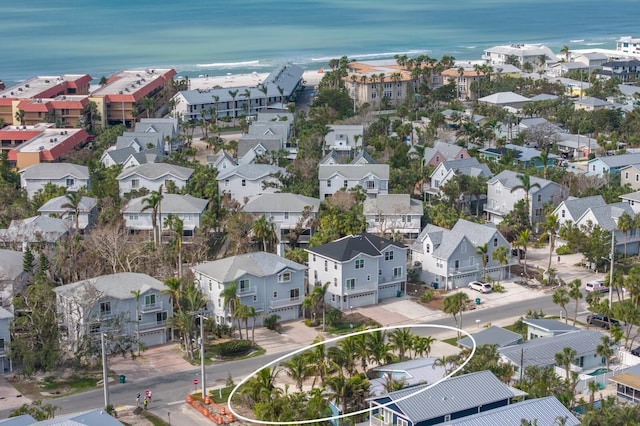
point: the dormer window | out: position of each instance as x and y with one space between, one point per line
284 277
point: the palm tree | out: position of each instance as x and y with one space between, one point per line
483 251
216 99
74 202
550 230
561 298
575 294
152 202
298 369
149 105
264 89
262 386
501 254
422 345
265 230
523 241
565 358
231 300
247 95
625 224
566 52
176 224
402 340
233 94
136 296
378 348
173 290
527 186
318 296
20 116
281 91
455 305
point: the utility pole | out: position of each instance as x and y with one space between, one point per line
202 372
105 377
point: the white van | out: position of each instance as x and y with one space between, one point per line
596 285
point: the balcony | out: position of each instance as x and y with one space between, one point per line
151 325
247 291
146 308
360 290
275 304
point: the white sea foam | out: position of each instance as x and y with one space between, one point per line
379 55
580 40
229 64
595 44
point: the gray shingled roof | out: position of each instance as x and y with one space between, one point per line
348 247
510 180
353 171
214 159
155 170
251 171
634 196
36 228
545 410
392 204
493 335
120 155
5 314
55 205
142 139
605 216
617 161
269 143
449 151
117 286
541 352
259 264
577 206
451 396
10 264
280 202
477 233
468 166
331 155
504 98
55 171
434 232
171 203
363 156
549 324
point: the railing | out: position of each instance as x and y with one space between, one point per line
274 304
360 290
374 421
152 325
249 291
465 269
151 307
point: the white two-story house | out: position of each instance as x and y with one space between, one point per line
152 176
449 258
390 214
606 217
108 304
60 207
372 178
138 217
447 170
505 189
361 270
572 209
67 175
246 180
288 211
271 284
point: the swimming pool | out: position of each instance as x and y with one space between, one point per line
598 372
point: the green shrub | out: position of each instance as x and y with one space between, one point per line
564 250
498 288
232 348
427 296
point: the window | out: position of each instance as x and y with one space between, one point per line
437 159
133 217
359 263
350 284
335 282
243 285
498 189
380 272
226 182
397 272
328 183
275 294
626 175
326 266
294 293
371 184
378 218
135 183
388 94
284 277
399 93
539 197
70 182
374 95
219 303
368 277
388 85
456 264
286 215
150 300
167 182
428 248
94 328
161 317
105 308
388 255
495 242
1 344
463 247
345 184
335 265
562 213
244 182
538 212
447 418
401 422
314 257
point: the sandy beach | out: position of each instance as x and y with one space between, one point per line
311 78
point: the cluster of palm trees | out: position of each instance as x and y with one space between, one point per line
337 373
239 312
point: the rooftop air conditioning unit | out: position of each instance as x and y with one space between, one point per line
41 148
46 81
26 85
24 127
51 140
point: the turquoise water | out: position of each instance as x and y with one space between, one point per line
215 37
598 372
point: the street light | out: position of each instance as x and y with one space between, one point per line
202 372
105 378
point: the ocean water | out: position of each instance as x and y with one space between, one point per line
100 37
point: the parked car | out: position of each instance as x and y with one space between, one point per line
596 285
601 321
481 287
636 351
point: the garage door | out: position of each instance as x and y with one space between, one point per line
153 338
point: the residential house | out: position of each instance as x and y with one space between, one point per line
362 157
573 88
13 278
5 339
450 399
525 156
442 152
541 352
342 137
60 207
633 199
153 177
493 335
221 161
628 45
505 190
270 284
589 103
67 175
572 209
246 180
505 99
454 118
413 372
48 146
541 411
391 214
592 59
601 166
517 53
540 328
630 175
624 70
139 217
449 258
575 146
332 158
291 213
361 270
628 384
560 69
464 79
107 304
606 217
97 417
37 231
264 138
372 178
447 170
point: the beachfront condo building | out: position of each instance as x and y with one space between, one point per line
628 45
519 55
464 78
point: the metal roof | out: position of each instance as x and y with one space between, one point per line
392 204
280 202
549 324
118 286
493 335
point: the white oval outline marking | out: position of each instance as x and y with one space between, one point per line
335 339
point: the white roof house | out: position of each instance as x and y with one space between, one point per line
393 213
152 176
187 208
246 180
503 99
34 230
373 178
69 176
87 210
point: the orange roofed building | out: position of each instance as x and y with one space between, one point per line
463 78
46 145
41 87
119 100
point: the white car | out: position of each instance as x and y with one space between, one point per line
481 287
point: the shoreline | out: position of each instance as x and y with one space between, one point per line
311 78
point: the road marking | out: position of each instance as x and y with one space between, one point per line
175 402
